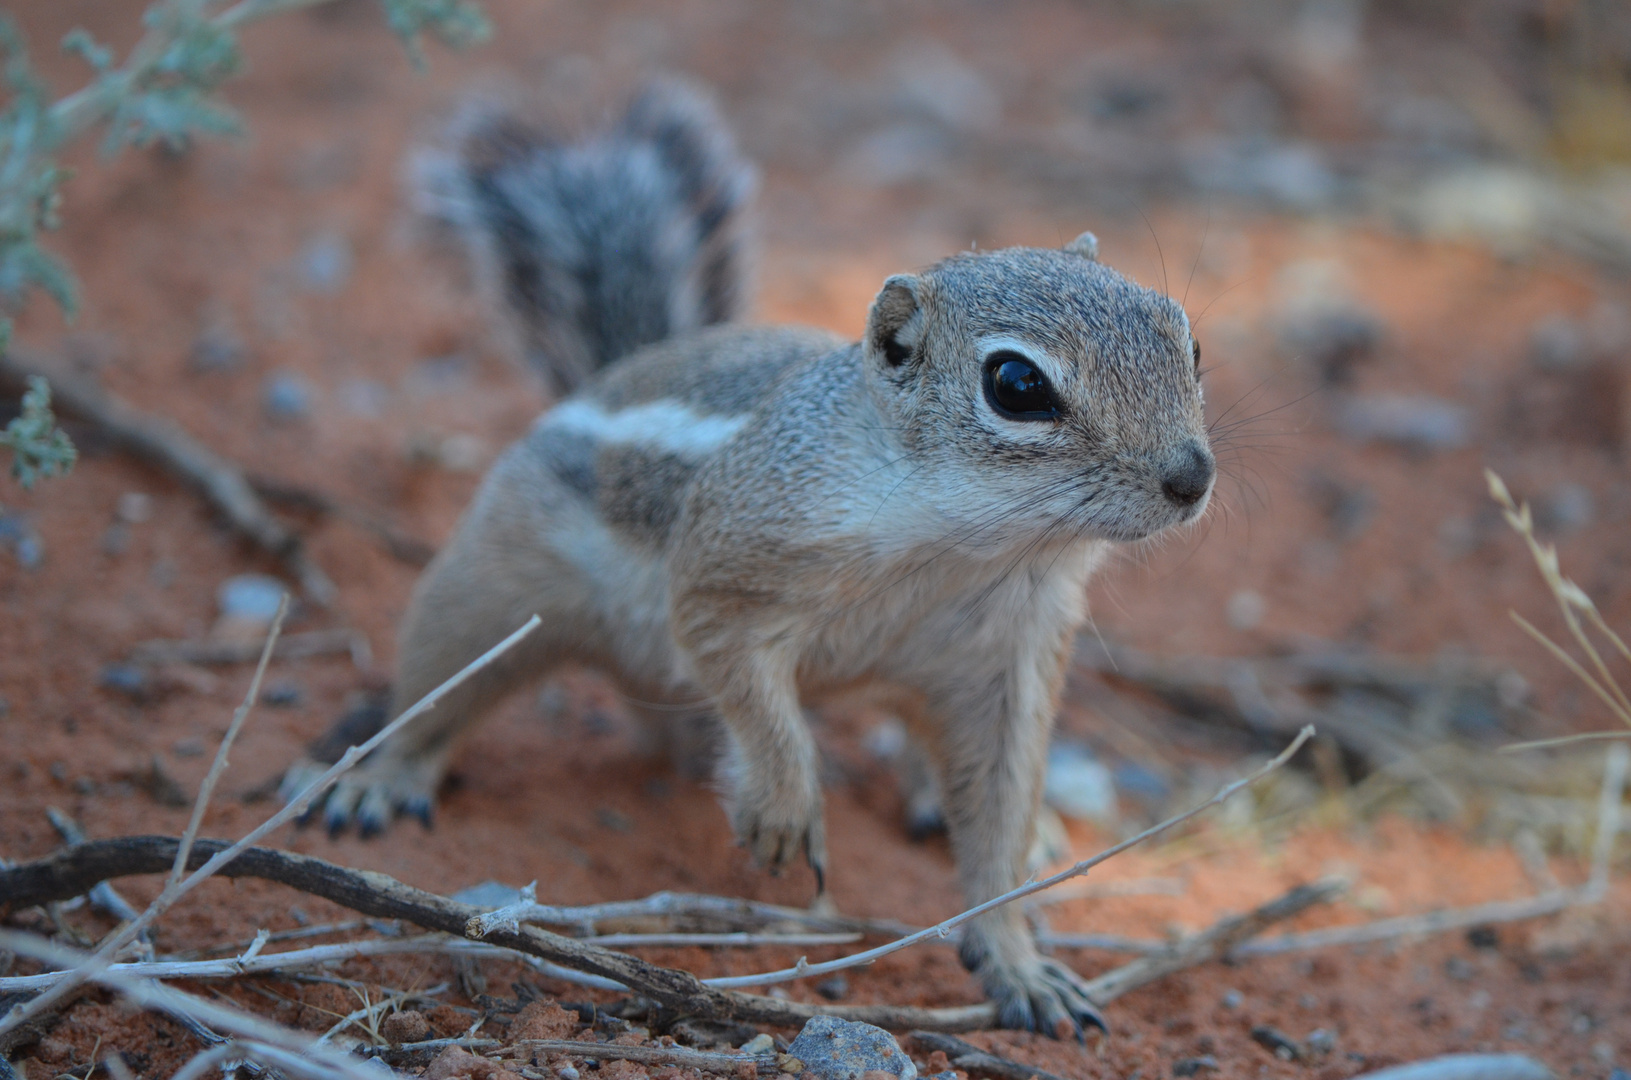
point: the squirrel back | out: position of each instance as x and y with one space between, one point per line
593 249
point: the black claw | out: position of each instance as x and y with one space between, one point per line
820 876
336 821
420 809
369 826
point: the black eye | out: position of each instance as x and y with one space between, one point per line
1017 390
1195 347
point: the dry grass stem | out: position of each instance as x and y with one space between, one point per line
1572 602
219 765
804 970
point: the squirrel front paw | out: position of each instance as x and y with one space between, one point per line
778 822
1033 992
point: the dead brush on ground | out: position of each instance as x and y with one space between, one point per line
122 963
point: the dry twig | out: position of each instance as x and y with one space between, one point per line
289 647
728 1064
803 970
976 1062
219 765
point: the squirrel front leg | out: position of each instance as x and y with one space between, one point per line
993 729
773 783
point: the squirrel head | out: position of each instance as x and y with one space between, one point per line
1044 382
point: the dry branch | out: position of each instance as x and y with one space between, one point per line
70 872
400 545
160 441
976 1062
320 1061
727 1064
1215 942
289 647
1380 709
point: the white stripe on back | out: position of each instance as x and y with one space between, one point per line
664 424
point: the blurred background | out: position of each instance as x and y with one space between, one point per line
1402 229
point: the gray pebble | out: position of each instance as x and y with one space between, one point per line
17 533
325 263
286 397
251 597
1565 509
836 1049
834 988
1415 421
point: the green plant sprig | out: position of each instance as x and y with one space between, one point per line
163 92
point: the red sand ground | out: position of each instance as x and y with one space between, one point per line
162 242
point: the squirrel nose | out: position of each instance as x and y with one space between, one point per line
1189 477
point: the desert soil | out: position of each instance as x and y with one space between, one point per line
410 396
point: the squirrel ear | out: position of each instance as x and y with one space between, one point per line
1085 245
894 326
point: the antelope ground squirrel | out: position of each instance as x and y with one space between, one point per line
768 517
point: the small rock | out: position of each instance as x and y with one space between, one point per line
1232 999
405 1027
456 1062
543 1020
834 988
134 508
282 696
1334 340
1558 344
324 264
1320 1042
1414 421
759 1044
286 397
115 539
1565 509
126 679
250 598
1078 785
566 1072
936 81
363 397
1458 969
1245 610
1277 1042
1191 1066
218 347
17 533
836 1049
899 154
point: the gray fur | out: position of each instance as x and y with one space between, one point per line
591 250
773 519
